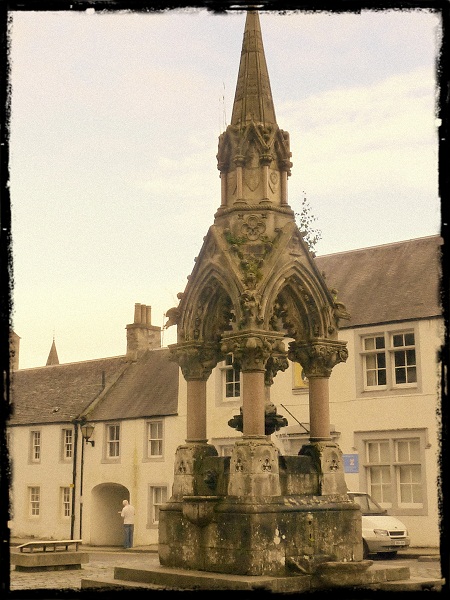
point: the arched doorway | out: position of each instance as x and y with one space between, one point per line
106 523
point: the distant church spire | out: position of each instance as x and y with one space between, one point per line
53 355
253 99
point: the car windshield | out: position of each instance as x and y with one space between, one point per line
367 504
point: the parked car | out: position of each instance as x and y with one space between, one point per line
382 533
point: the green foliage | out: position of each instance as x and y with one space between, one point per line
305 221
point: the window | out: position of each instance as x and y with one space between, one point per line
34 494
158 496
232 378
389 360
112 441
393 469
155 438
35 446
67 444
66 503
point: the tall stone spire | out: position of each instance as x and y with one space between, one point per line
253 99
253 154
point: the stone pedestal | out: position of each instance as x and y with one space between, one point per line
259 513
277 537
189 469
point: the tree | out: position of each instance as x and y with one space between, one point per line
305 221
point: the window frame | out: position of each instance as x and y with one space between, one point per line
34 504
33 458
65 498
391 464
148 439
65 444
389 353
155 503
108 441
226 367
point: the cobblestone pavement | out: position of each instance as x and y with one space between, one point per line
101 564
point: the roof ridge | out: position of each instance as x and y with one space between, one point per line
399 242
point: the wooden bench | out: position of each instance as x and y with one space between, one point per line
42 545
48 555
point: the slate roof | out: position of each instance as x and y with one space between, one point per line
148 387
388 283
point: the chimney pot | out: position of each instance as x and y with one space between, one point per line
137 313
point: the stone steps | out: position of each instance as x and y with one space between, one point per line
374 578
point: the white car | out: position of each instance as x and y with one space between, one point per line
382 534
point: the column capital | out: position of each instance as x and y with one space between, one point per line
318 357
252 348
196 359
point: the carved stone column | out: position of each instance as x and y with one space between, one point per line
318 359
196 361
251 350
254 460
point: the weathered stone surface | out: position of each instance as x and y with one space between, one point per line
42 561
263 537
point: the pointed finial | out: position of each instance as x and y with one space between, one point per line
253 98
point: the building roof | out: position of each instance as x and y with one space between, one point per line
388 283
148 388
118 387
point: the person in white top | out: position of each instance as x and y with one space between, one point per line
127 513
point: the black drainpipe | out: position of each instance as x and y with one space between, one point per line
81 486
74 478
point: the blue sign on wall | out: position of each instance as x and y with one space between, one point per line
351 463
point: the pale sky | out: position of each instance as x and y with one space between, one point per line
115 120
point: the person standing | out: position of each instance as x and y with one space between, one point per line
127 513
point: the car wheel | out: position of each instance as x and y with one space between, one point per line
365 549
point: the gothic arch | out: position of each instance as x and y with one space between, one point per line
207 310
298 303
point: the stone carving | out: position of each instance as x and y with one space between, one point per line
251 350
286 315
173 314
251 310
339 309
272 420
319 357
253 227
273 365
252 171
210 479
196 360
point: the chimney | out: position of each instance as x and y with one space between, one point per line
142 335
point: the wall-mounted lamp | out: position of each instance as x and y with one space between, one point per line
87 430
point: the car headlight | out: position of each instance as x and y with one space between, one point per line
380 532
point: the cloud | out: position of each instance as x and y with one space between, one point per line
355 136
